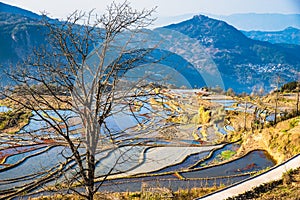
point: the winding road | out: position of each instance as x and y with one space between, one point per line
273 174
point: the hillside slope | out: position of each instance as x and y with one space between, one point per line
243 62
18 36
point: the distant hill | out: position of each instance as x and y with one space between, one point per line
262 22
289 35
243 62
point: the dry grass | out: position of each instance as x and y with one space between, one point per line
57 104
156 194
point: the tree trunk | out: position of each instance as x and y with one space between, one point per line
297 103
276 105
245 117
90 175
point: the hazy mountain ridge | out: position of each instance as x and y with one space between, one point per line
236 56
262 22
289 35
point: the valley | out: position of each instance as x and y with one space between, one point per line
205 137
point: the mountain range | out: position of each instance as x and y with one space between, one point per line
244 63
260 21
289 35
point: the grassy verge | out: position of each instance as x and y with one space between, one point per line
155 194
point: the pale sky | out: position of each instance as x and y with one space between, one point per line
165 8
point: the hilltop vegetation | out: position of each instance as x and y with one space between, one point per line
281 141
12 121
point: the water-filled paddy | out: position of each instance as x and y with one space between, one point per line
18 157
254 161
225 174
134 155
33 166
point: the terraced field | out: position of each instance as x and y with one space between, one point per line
191 151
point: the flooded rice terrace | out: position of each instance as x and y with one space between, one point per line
138 156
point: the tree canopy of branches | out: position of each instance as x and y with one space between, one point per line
76 71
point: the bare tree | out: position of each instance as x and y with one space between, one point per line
246 104
276 98
297 99
77 75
